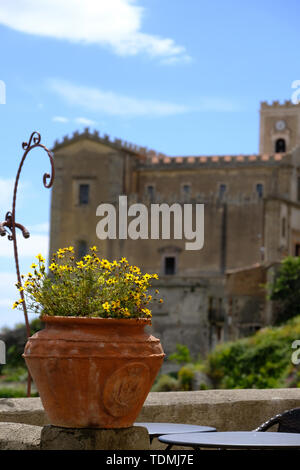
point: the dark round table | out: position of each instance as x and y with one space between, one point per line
158 429
235 440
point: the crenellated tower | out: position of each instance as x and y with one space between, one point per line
279 127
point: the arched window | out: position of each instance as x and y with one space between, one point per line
280 146
82 249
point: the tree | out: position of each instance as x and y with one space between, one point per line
285 290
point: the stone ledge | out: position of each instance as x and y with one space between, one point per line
23 410
17 436
58 438
227 410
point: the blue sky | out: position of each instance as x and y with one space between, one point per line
183 78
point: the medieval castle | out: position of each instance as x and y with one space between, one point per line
251 213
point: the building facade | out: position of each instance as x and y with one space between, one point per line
251 221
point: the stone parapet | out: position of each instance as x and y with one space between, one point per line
224 409
57 438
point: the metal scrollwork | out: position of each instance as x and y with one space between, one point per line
9 226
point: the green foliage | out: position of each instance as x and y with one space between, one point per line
285 289
13 374
15 340
186 375
260 361
18 392
166 383
182 355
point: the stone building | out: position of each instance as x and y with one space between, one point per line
251 214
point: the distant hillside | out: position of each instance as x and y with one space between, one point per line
263 360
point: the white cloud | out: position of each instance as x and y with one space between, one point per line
61 119
43 227
108 102
78 120
113 23
6 193
27 247
85 121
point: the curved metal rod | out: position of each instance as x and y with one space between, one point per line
11 223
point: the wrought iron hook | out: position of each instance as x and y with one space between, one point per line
8 227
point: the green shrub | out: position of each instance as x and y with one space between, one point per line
15 339
285 290
182 354
260 361
186 375
13 374
18 392
165 383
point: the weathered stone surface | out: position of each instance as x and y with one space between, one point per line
224 409
23 410
58 438
201 381
17 436
227 410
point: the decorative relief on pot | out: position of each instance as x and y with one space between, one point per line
125 388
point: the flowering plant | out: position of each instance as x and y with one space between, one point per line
91 287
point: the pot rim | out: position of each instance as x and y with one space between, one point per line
91 320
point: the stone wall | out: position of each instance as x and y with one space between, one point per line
224 409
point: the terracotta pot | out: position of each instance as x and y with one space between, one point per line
93 372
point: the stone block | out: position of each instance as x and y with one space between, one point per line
23 410
17 436
59 438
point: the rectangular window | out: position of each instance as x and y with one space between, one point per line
186 191
297 249
260 190
170 265
84 190
150 192
283 227
82 249
222 190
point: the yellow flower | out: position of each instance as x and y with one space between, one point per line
33 266
105 264
40 258
93 248
125 312
80 264
147 312
161 301
106 306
